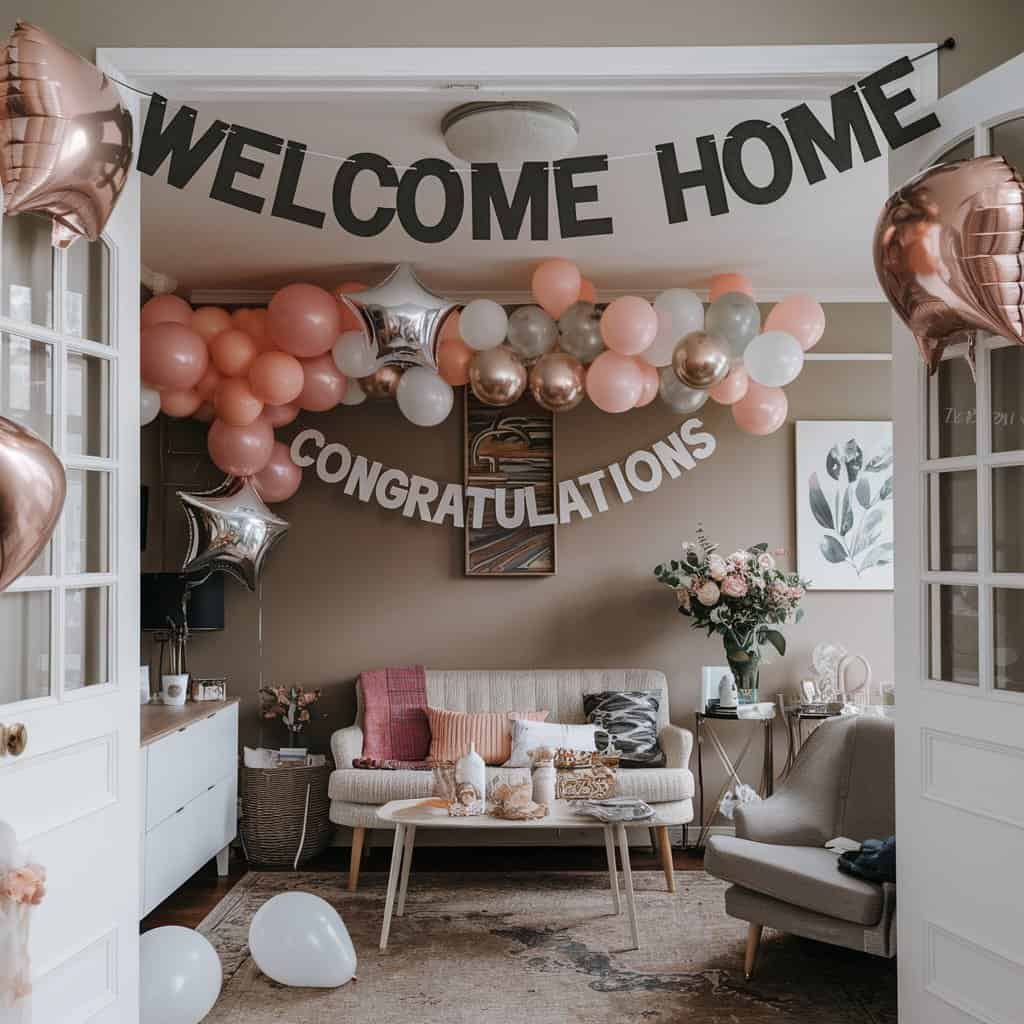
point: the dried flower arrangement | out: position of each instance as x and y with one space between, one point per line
291 704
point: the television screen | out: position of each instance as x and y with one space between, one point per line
161 599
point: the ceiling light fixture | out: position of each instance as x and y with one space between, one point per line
511 131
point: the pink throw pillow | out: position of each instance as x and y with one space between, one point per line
451 733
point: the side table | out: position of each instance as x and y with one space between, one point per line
705 734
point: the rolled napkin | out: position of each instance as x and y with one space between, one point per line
616 808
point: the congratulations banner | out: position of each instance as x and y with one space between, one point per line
438 503
720 171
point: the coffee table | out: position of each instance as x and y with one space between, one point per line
410 815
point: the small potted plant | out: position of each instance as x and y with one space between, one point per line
291 704
744 598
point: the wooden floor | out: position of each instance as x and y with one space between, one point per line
201 893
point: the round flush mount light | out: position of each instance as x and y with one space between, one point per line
510 131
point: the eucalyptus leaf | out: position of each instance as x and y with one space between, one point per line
833 462
833 549
883 460
777 640
863 492
847 514
819 506
886 491
874 519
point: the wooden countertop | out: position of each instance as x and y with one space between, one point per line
159 720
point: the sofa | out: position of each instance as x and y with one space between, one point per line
842 784
357 793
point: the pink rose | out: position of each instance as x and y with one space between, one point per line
717 567
765 561
708 593
780 591
24 885
734 586
796 593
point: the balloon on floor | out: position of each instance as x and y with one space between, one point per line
179 976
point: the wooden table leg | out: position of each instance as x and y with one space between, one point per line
410 835
396 868
627 877
613 871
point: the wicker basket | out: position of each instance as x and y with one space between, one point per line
277 827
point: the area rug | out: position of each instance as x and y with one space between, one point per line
546 949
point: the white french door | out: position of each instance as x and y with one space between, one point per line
960 633
69 628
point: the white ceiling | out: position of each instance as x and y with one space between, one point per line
815 238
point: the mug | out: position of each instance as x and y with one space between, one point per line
174 689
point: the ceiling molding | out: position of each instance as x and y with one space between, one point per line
797 72
260 296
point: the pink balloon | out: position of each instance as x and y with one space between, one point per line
761 410
453 359
649 384
614 382
179 404
323 384
722 283
240 451
279 479
799 315
235 403
628 325
276 378
350 321
209 382
556 285
171 357
254 323
588 293
280 415
232 352
305 320
205 413
209 321
733 388
165 309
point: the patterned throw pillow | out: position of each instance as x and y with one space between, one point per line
630 717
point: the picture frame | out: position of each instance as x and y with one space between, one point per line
844 502
511 447
212 689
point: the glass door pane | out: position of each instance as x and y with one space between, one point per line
952 411
1008 141
85 292
86 511
27 270
1007 399
86 628
24 646
1009 639
953 614
953 521
88 399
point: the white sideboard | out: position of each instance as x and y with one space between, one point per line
189 785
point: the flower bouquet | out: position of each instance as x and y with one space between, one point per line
745 598
291 704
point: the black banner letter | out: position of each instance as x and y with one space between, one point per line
234 162
285 206
454 200
175 141
782 162
569 195
342 195
708 176
531 193
885 107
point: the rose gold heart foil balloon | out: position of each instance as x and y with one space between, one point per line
65 137
949 254
32 487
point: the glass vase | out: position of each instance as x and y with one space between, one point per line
746 666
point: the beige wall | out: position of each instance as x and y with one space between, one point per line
988 32
353 586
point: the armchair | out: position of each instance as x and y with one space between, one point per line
842 784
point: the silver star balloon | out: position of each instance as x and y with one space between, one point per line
229 530
402 318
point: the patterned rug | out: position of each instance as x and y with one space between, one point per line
546 949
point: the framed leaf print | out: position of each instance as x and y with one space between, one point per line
844 500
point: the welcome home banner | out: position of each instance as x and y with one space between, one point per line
712 166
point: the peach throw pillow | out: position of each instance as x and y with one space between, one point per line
451 733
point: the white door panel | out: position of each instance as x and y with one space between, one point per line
960 729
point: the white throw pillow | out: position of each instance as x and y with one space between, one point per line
528 736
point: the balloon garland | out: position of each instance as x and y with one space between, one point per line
251 371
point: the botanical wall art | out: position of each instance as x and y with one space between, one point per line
844 501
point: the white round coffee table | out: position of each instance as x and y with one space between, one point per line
410 815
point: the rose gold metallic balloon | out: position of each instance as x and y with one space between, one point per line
497 376
65 137
558 382
32 487
949 253
382 383
701 360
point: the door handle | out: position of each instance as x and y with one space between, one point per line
13 739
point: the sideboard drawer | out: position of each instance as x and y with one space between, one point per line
182 765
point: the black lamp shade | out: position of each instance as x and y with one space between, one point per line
161 600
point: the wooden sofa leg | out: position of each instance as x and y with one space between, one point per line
358 838
753 942
665 850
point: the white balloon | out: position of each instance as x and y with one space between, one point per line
149 405
353 354
179 976
774 359
483 324
354 394
680 312
299 939
424 398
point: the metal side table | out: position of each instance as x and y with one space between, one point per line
706 735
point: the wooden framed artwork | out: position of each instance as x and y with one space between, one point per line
510 450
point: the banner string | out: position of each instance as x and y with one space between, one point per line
949 43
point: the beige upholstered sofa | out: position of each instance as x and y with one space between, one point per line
843 784
356 793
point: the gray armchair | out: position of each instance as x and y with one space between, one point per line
842 784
